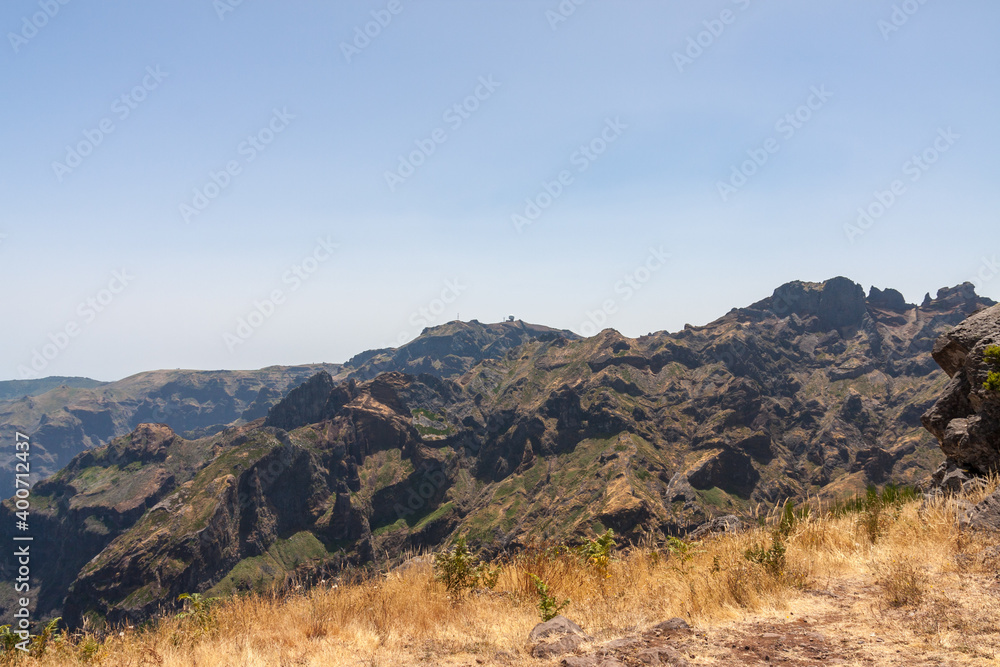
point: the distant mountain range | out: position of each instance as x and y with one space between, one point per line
14 389
78 415
70 415
509 433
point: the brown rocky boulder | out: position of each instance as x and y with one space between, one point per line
556 637
966 419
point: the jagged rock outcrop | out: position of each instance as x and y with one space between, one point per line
888 299
149 525
239 514
836 303
304 405
986 514
966 418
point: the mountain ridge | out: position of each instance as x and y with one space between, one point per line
802 393
69 419
14 389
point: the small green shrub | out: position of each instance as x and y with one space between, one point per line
682 551
460 571
992 357
88 648
790 517
49 635
773 558
597 552
876 509
8 640
455 568
548 607
198 609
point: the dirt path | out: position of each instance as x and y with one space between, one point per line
843 624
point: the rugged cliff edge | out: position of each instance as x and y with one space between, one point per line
966 419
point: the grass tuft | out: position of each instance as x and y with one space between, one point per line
926 585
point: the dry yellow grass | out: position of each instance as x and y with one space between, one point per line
922 589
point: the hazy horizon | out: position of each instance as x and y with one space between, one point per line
173 169
421 317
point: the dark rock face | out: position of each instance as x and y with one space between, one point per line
837 303
874 461
757 445
966 419
889 299
841 303
978 331
729 470
952 479
304 405
986 515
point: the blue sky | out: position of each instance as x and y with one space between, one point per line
616 98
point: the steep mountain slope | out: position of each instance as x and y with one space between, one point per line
67 420
69 415
817 389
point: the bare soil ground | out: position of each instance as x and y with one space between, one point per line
841 624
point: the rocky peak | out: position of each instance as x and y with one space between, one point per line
959 297
841 303
304 405
147 443
889 299
836 303
386 389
